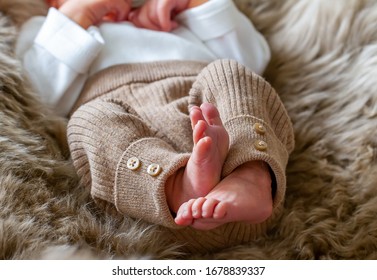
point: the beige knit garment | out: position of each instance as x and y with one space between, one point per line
141 111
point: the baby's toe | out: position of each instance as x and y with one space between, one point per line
209 207
220 210
197 207
184 214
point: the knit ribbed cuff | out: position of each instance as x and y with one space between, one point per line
253 114
140 180
259 143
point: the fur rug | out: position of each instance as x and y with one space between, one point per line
324 66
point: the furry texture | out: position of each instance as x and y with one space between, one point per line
324 66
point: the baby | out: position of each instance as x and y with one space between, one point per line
197 192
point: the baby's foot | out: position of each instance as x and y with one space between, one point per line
203 209
243 196
203 169
211 144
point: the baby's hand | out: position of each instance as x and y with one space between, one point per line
91 12
55 3
158 14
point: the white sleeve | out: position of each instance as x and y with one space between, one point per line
227 33
56 54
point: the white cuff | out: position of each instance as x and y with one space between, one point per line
211 19
68 42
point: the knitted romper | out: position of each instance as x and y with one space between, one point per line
131 130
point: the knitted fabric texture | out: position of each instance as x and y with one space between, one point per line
141 111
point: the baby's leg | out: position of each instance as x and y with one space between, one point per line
203 170
243 196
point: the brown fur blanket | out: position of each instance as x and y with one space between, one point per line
324 66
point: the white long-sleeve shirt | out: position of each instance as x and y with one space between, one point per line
58 55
